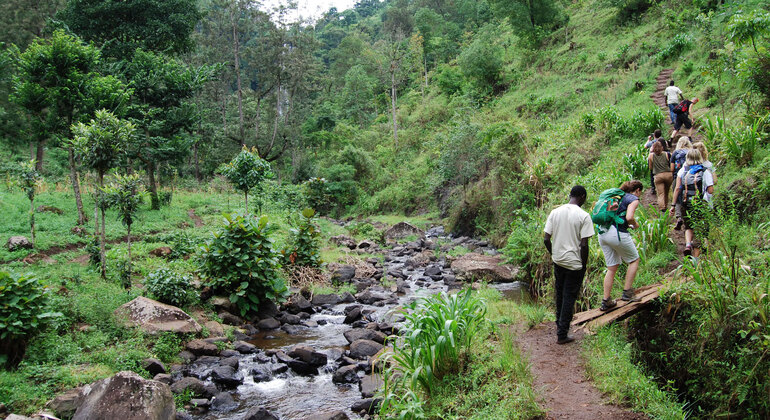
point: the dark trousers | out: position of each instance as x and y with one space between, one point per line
568 284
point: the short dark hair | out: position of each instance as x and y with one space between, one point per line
578 191
657 133
671 84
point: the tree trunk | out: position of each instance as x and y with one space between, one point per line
31 150
237 62
197 163
393 105
32 219
224 112
102 234
39 155
256 125
128 242
155 203
76 186
246 202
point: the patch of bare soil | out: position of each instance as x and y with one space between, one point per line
560 376
195 218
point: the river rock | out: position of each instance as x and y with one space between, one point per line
343 274
186 356
334 415
432 271
269 323
193 385
287 318
230 319
367 245
18 242
346 297
66 403
361 349
343 241
260 374
402 230
154 366
302 368
202 348
226 376
299 304
308 355
244 347
126 396
368 405
18 417
346 375
163 377
153 317
352 315
215 329
364 334
370 296
223 402
162 252
369 385
477 267
330 299
259 414
267 308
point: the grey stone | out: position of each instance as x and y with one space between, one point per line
153 317
163 377
308 355
303 368
126 396
483 267
18 242
195 386
66 403
364 334
201 348
259 414
223 402
153 366
402 230
361 349
370 296
346 375
330 299
226 376
244 347
369 385
269 323
299 304
230 319
343 274
334 415
353 315
186 356
369 405
291 319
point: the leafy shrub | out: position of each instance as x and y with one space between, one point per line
438 332
482 63
168 286
678 44
359 159
652 234
449 79
304 249
318 193
630 9
636 162
247 171
23 304
644 122
740 144
166 346
241 262
341 186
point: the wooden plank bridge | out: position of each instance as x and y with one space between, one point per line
593 319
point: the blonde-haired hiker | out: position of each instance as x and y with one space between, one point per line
677 163
694 185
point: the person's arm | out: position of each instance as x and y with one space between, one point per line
677 189
710 189
584 252
649 161
547 242
630 214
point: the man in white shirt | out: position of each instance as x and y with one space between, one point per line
673 97
567 231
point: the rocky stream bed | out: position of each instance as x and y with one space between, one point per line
312 357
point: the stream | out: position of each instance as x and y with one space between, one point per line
268 379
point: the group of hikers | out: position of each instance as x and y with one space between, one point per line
569 227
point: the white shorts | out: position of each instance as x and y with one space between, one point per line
616 250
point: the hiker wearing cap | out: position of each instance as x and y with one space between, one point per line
682 112
567 231
616 242
673 97
693 186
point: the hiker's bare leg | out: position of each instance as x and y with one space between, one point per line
631 274
689 235
609 277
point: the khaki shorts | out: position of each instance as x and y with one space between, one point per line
618 250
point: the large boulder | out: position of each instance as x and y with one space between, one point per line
308 355
18 242
259 413
483 267
364 334
343 273
202 348
126 396
330 299
361 349
346 375
402 230
369 385
66 403
153 317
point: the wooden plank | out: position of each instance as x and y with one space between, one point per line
586 316
622 313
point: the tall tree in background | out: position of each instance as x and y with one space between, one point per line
398 24
24 20
57 85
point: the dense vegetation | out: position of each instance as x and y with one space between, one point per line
484 112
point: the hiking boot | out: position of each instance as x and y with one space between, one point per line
607 304
679 223
628 296
688 250
565 340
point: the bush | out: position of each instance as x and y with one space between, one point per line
449 79
23 304
168 286
341 186
241 262
636 162
318 194
304 249
630 9
679 44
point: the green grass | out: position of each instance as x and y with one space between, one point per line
609 365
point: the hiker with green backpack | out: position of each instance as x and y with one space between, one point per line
613 215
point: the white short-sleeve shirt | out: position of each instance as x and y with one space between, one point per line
567 225
672 94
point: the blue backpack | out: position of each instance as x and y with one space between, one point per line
679 157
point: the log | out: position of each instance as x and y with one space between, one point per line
591 314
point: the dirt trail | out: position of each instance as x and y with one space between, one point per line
195 218
560 375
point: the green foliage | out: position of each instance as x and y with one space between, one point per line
241 262
449 79
652 235
304 248
341 187
103 141
636 162
747 27
462 155
680 43
167 346
23 313
169 287
29 178
247 172
482 62
630 9
318 193
124 195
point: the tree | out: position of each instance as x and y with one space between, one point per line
530 16
29 178
124 195
121 27
482 62
25 20
358 94
101 144
246 172
749 26
57 85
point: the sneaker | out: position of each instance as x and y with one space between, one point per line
565 340
679 223
688 250
607 304
628 296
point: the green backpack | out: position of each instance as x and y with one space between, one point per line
605 212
